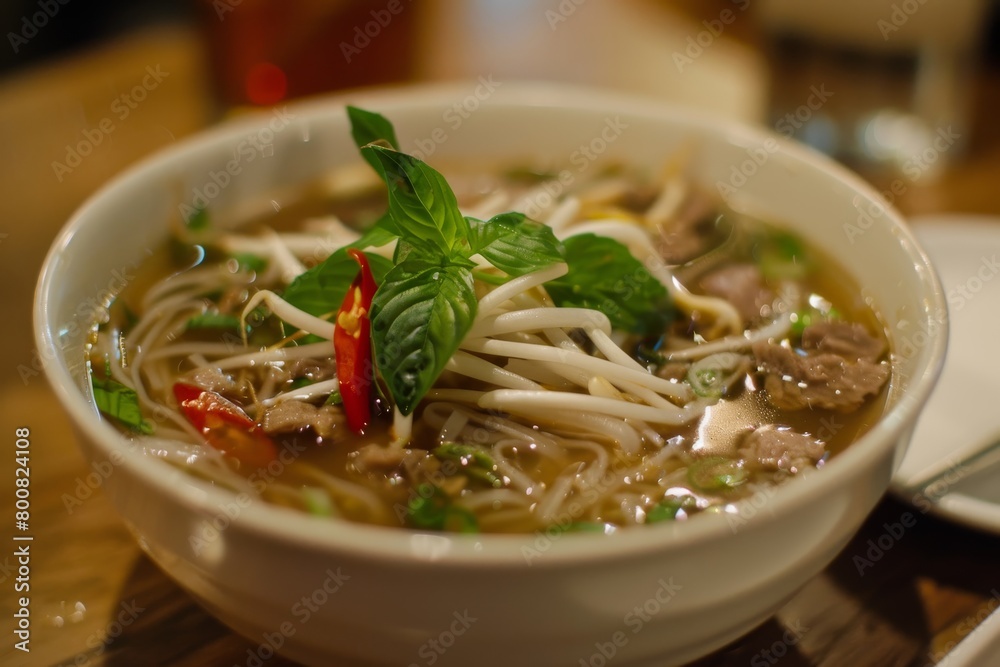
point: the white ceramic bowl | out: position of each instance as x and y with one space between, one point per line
324 591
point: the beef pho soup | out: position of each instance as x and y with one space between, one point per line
465 352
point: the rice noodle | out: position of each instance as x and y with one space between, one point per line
776 329
306 393
594 365
548 507
480 369
518 399
498 296
563 214
550 394
299 319
275 355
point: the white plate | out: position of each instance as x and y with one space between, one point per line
979 648
963 414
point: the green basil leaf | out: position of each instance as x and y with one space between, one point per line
321 290
421 202
605 276
514 243
121 403
382 232
368 127
420 314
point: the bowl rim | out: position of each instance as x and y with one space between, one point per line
485 550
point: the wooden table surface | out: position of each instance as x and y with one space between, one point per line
909 608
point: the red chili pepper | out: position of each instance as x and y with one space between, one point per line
225 425
352 346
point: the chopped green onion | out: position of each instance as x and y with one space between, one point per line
475 463
716 473
711 376
667 509
213 321
318 501
460 520
809 316
298 383
431 509
334 398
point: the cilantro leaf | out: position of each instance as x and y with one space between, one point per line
121 403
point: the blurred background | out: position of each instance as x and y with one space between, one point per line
906 92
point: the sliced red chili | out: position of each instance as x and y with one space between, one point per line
352 346
225 426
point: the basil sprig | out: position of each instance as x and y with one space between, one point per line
426 301
419 315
